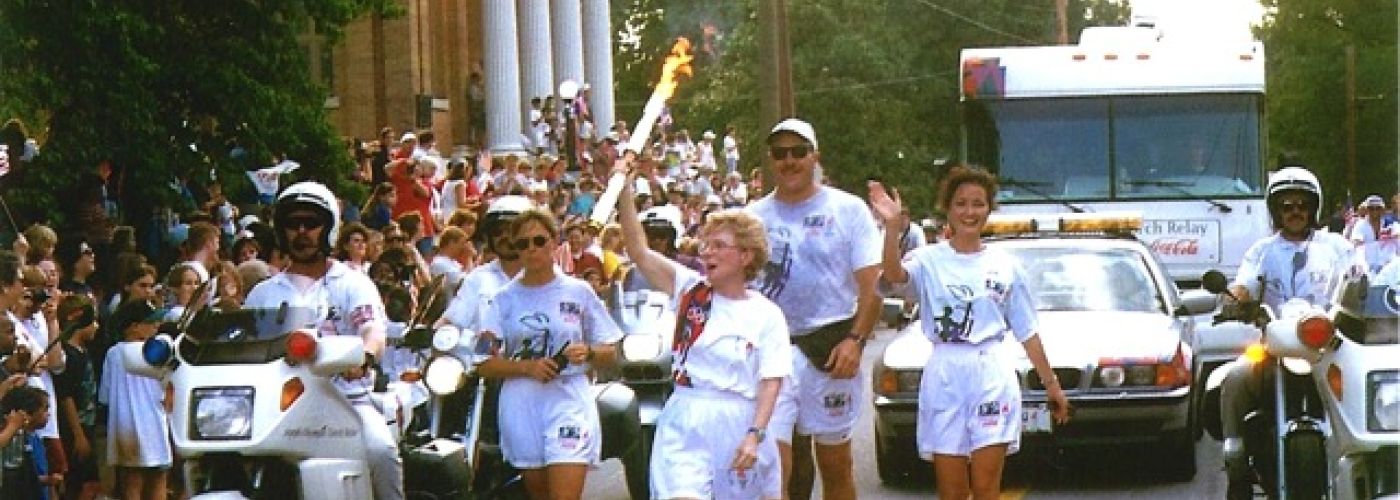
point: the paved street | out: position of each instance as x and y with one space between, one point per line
1099 473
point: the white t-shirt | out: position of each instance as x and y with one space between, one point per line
443 264
968 298
538 321
347 299
137 425
1376 247
475 294
744 341
705 154
1294 269
731 147
34 332
815 247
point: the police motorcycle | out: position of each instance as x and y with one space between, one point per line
648 323
255 413
1285 439
1358 376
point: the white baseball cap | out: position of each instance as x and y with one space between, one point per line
795 126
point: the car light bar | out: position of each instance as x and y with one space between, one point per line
1063 223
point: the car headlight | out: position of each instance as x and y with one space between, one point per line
222 413
1142 374
1112 376
1383 401
641 347
444 375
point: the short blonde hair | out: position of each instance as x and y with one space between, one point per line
749 234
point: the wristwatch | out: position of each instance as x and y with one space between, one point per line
758 432
860 341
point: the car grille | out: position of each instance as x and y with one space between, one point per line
1069 379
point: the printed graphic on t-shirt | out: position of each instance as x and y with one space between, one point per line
954 323
775 273
570 312
536 344
1299 283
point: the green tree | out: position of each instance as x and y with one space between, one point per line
1305 43
164 91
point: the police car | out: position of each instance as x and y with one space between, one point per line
1119 336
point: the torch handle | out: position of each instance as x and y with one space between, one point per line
603 209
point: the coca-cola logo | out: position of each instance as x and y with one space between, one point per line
1175 246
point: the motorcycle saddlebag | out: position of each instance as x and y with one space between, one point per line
439 468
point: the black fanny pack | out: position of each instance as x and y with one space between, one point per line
817 344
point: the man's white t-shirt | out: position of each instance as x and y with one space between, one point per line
346 300
1376 247
475 294
971 298
1294 269
815 247
443 264
744 341
731 147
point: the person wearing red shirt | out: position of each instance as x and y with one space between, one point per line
414 193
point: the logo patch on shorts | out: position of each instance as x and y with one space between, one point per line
836 403
570 437
989 409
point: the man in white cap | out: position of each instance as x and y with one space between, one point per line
822 273
705 151
1373 238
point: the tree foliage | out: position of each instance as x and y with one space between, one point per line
164 91
1305 42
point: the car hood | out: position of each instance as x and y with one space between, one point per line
1081 338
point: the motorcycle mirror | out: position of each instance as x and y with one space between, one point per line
1214 282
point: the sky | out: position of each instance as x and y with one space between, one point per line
1216 16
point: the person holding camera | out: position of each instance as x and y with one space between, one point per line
553 330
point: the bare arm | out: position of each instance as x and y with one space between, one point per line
889 208
656 268
767 398
1054 393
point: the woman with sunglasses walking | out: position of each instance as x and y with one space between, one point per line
552 329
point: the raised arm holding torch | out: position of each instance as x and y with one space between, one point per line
677 64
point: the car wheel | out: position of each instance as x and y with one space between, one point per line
1181 455
1305 464
637 464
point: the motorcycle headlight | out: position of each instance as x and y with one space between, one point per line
444 375
1383 401
446 337
222 413
641 347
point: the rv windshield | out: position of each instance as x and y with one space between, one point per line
1119 147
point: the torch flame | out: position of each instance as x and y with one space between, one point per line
677 64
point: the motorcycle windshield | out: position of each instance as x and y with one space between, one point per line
248 335
1370 315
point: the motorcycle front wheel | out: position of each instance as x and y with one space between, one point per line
1305 464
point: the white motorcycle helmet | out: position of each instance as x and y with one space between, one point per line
499 214
665 219
1293 179
315 196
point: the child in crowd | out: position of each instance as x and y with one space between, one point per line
137 428
26 472
77 393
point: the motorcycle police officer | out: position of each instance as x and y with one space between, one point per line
483 281
1296 262
307 217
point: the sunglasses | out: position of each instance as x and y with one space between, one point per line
1293 206
524 243
302 223
799 151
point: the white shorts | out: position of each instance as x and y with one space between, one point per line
811 403
969 398
547 424
696 437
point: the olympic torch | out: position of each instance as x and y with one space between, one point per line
677 64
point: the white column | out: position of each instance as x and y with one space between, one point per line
568 41
502 77
597 55
536 54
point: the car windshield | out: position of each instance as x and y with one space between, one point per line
1078 279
